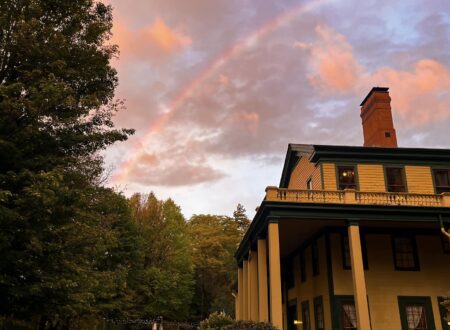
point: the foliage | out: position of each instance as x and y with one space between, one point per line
216 320
214 241
67 244
225 322
163 280
240 216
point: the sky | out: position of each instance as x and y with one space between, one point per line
216 89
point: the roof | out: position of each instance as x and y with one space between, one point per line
374 89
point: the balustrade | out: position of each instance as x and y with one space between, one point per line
355 197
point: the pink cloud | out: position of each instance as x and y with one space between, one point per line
332 60
155 41
419 93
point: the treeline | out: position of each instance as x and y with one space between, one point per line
74 252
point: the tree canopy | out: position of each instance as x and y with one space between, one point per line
63 253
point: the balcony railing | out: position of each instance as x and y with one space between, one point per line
350 196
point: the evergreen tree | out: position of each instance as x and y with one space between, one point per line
64 240
240 216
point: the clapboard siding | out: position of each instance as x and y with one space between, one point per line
419 179
317 178
329 176
371 177
301 173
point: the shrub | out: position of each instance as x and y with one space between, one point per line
224 322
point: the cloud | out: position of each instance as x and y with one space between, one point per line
420 92
167 39
180 163
331 60
152 42
419 95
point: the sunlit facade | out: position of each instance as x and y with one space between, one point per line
351 238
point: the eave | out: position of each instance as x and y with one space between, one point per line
276 211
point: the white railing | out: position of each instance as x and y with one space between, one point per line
350 196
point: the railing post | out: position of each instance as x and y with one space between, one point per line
446 199
350 196
271 193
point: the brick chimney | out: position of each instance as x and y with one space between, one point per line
376 115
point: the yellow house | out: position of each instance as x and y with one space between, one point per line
351 238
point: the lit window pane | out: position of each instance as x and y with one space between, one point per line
416 317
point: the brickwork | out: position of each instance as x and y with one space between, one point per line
376 115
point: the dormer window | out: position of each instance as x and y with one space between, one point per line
347 179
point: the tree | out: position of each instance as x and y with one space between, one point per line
214 242
240 216
58 226
163 280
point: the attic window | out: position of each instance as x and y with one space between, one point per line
387 134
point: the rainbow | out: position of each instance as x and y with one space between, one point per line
192 86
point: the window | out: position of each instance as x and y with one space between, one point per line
345 312
305 316
302 266
345 248
346 176
290 278
395 179
318 313
315 258
416 313
309 184
348 316
387 134
292 315
405 253
442 181
443 314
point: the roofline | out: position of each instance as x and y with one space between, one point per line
422 155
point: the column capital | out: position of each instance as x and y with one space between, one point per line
353 222
273 219
261 237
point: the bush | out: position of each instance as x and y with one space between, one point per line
216 321
224 322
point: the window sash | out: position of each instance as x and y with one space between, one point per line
306 317
346 177
348 312
319 313
395 179
405 253
441 180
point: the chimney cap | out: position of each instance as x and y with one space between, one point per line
374 89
